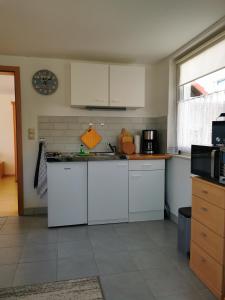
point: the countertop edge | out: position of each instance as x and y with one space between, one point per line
148 156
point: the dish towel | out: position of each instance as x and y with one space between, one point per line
40 178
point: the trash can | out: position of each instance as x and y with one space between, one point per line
184 230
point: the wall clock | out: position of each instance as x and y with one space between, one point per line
45 82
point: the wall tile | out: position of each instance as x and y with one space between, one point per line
62 133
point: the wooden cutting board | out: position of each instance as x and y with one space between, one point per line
91 138
128 148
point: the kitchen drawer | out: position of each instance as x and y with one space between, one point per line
146 165
207 269
208 240
211 192
208 215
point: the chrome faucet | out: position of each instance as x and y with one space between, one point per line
112 148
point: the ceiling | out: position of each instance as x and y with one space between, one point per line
7 85
112 30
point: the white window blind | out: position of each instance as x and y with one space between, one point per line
204 63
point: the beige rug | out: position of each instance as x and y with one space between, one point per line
81 289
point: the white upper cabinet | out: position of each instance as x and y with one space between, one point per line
98 84
127 86
89 84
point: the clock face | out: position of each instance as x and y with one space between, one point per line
45 82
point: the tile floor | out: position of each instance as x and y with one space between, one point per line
8 196
135 261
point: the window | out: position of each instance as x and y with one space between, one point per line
201 90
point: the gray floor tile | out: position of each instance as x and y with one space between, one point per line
10 255
71 234
138 242
127 229
38 253
105 245
150 247
76 267
114 262
127 286
166 281
207 295
12 240
7 273
192 279
182 296
36 272
177 258
164 238
42 236
99 232
15 228
158 226
149 258
71 249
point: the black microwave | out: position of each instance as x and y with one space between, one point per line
208 162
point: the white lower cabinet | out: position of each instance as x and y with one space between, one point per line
67 193
107 192
146 190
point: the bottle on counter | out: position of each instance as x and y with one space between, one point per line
137 143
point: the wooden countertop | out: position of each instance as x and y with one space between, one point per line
148 156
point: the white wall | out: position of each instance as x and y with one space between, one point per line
178 183
58 104
160 87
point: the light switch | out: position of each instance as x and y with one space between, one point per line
31 133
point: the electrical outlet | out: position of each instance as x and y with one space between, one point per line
31 134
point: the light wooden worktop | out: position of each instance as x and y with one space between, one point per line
148 156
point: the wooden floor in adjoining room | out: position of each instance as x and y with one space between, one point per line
8 197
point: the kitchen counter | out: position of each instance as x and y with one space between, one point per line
66 157
70 157
148 156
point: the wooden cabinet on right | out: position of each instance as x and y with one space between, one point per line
207 259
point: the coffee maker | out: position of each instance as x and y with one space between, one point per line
149 141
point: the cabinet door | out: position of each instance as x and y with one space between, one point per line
107 192
89 84
67 193
146 191
127 86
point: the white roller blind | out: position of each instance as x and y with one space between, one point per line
210 60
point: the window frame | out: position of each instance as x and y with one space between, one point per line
187 55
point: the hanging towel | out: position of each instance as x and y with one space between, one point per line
38 165
40 180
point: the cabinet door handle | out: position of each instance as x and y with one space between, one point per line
204 192
203 234
67 168
146 165
203 259
115 101
99 100
136 175
204 209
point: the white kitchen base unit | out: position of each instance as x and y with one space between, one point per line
67 193
146 190
107 192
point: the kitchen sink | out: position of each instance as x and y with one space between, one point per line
104 153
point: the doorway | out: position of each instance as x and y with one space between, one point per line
11 172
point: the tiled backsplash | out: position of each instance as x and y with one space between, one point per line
63 133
